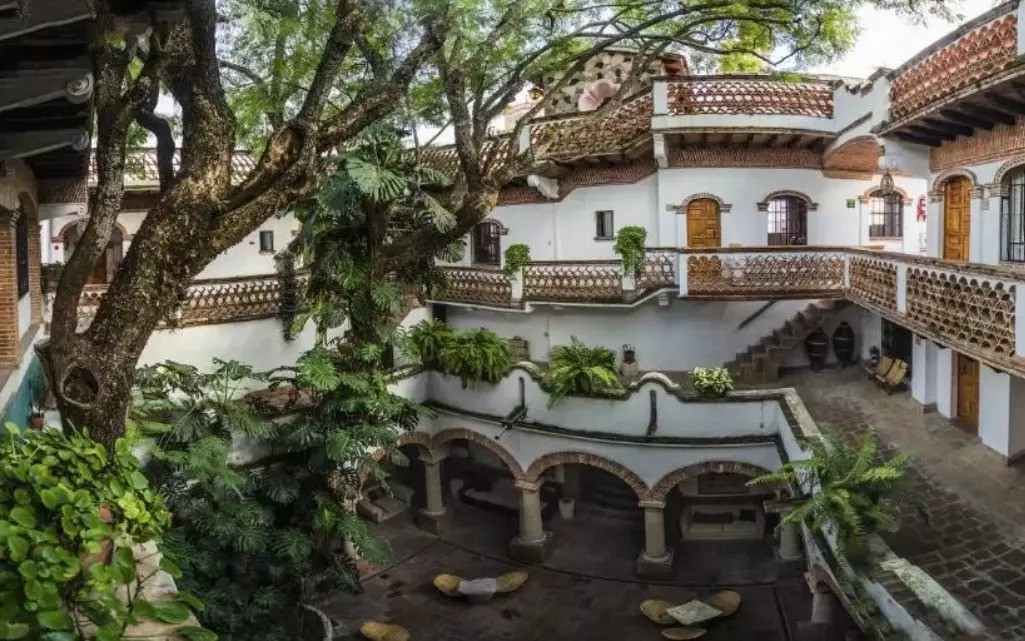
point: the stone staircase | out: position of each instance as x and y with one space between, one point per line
762 361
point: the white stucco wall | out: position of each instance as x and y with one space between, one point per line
994 409
24 314
680 336
923 370
946 382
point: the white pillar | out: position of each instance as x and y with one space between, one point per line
995 409
946 382
823 606
681 273
434 505
1019 320
934 227
902 287
790 541
989 233
975 229
531 527
923 371
654 530
516 281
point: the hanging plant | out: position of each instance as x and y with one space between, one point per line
478 355
288 303
516 257
630 248
580 370
712 381
423 343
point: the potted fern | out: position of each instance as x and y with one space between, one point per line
849 489
474 356
712 381
423 343
580 370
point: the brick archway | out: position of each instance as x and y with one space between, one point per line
763 204
724 207
548 461
445 436
674 478
417 439
937 184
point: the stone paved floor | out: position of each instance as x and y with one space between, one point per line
559 602
969 532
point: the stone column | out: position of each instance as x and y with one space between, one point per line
655 561
431 518
790 541
533 544
567 491
823 606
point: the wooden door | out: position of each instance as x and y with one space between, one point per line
703 228
957 207
968 393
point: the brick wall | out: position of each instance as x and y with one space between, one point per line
745 157
9 338
983 146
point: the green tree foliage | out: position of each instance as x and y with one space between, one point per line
846 489
263 510
69 516
580 370
423 342
476 356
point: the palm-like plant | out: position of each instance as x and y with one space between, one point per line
579 369
478 355
424 342
846 489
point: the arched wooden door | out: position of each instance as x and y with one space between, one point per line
957 216
703 224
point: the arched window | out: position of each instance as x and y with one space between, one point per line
21 241
886 215
1012 216
486 244
788 221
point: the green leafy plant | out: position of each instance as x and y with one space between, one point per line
580 370
517 256
712 381
288 305
69 516
424 341
478 355
847 489
630 248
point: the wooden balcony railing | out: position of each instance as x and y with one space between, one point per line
207 302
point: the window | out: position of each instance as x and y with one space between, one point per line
603 229
486 243
1012 216
886 215
21 247
266 241
788 221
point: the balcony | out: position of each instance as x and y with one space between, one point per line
968 307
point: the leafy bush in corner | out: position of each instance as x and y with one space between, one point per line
516 256
424 341
478 355
630 247
712 381
64 502
853 486
581 370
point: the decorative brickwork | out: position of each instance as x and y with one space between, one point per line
141 166
976 55
611 132
730 95
769 275
724 207
996 188
447 436
787 193
548 461
868 195
618 174
712 156
417 439
668 482
858 157
873 281
520 195
610 65
63 191
659 269
593 281
936 188
35 264
969 309
1003 141
476 285
9 336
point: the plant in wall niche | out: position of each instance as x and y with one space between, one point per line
630 247
424 341
478 355
580 370
849 489
712 381
69 516
516 257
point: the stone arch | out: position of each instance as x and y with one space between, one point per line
548 461
763 204
724 207
857 157
665 485
867 194
417 439
443 437
937 183
58 237
996 188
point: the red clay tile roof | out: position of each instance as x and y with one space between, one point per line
731 95
141 167
979 53
612 132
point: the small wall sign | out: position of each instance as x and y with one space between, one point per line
852 203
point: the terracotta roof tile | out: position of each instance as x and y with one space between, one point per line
141 167
749 96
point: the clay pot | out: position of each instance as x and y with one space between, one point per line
843 344
36 421
672 66
817 347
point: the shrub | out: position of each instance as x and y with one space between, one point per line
424 341
580 370
516 256
712 381
630 247
64 503
478 355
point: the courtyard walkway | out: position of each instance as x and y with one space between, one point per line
969 530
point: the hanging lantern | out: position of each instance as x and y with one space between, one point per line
886 184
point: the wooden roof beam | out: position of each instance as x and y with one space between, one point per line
32 87
960 117
43 15
918 140
21 145
995 115
929 132
948 128
1005 104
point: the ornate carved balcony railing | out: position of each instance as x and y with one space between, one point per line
764 273
659 269
207 302
747 95
873 282
590 281
476 285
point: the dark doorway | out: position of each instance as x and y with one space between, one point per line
897 342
